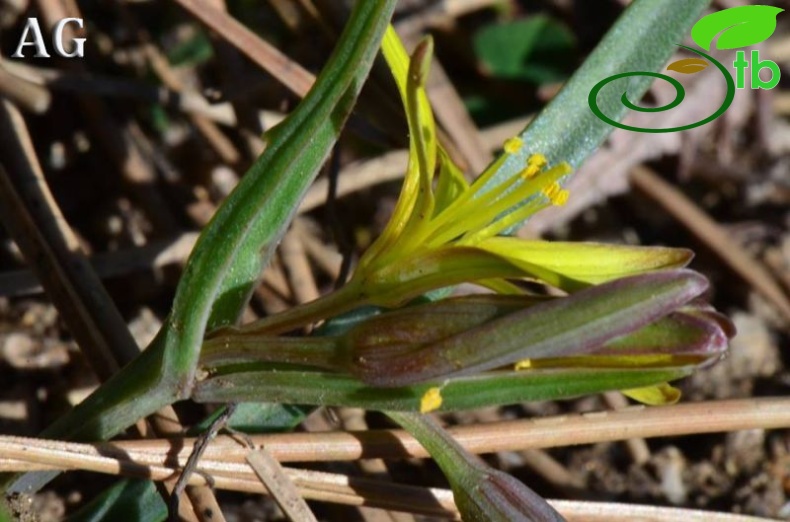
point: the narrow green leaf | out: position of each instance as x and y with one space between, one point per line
125 500
463 393
232 251
257 417
237 243
234 247
738 26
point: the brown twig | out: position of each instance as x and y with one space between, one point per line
280 486
161 66
353 419
32 215
290 73
33 218
640 452
297 268
516 435
25 94
326 257
155 254
108 86
452 114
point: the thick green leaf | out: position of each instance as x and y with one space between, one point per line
738 26
642 39
232 251
488 389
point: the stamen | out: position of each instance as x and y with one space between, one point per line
513 145
456 220
535 165
504 223
515 199
556 194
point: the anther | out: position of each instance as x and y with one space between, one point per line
535 164
556 194
513 145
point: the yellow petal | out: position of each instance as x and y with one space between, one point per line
573 266
658 395
416 202
451 183
406 277
431 400
422 130
660 360
397 58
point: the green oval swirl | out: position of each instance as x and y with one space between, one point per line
679 97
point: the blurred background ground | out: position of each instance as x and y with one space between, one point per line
140 140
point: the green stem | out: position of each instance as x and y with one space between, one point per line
332 304
481 492
318 352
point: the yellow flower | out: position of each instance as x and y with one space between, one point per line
445 231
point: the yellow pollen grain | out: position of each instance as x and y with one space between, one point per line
526 364
513 145
431 400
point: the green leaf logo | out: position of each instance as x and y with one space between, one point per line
741 27
688 65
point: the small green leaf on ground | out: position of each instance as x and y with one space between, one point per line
538 49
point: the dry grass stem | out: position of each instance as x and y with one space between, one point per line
284 491
566 430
